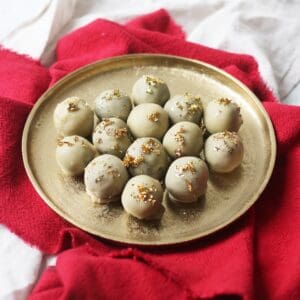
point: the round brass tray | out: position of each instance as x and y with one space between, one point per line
227 197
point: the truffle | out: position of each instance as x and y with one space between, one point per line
146 156
104 178
142 197
148 120
149 89
221 115
113 103
184 108
186 179
73 153
112 136
73 116
224 151
183 139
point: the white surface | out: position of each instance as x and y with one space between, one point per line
269 31
20 266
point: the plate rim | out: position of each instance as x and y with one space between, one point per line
86 68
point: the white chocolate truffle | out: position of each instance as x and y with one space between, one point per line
183 139
221 115
113 103
146 156
142 197
149 89
73 116
104 178
73 153
186 179
224 151
148 120
184 108
112 136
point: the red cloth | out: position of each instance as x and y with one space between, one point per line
255 258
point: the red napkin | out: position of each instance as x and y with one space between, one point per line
257 257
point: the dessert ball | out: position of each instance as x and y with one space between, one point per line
112 136
184 108
149 89
186 179
146 156
148 120
224 151
73 116
73 153
142 197
104 178
221 115
183 139
113 103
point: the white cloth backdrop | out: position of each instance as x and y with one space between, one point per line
270 31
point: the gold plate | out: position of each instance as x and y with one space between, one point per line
227 197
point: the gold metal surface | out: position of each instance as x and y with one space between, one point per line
227 197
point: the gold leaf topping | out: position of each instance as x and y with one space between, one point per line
145 193
114 94
114 173
193 108
150 146
224 101
227 137
179 136
153 81
119 132
106 122
188 167
154 117
191 97
130 161
72 107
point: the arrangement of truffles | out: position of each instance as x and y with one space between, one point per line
147 143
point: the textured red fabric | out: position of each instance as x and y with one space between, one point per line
255 258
